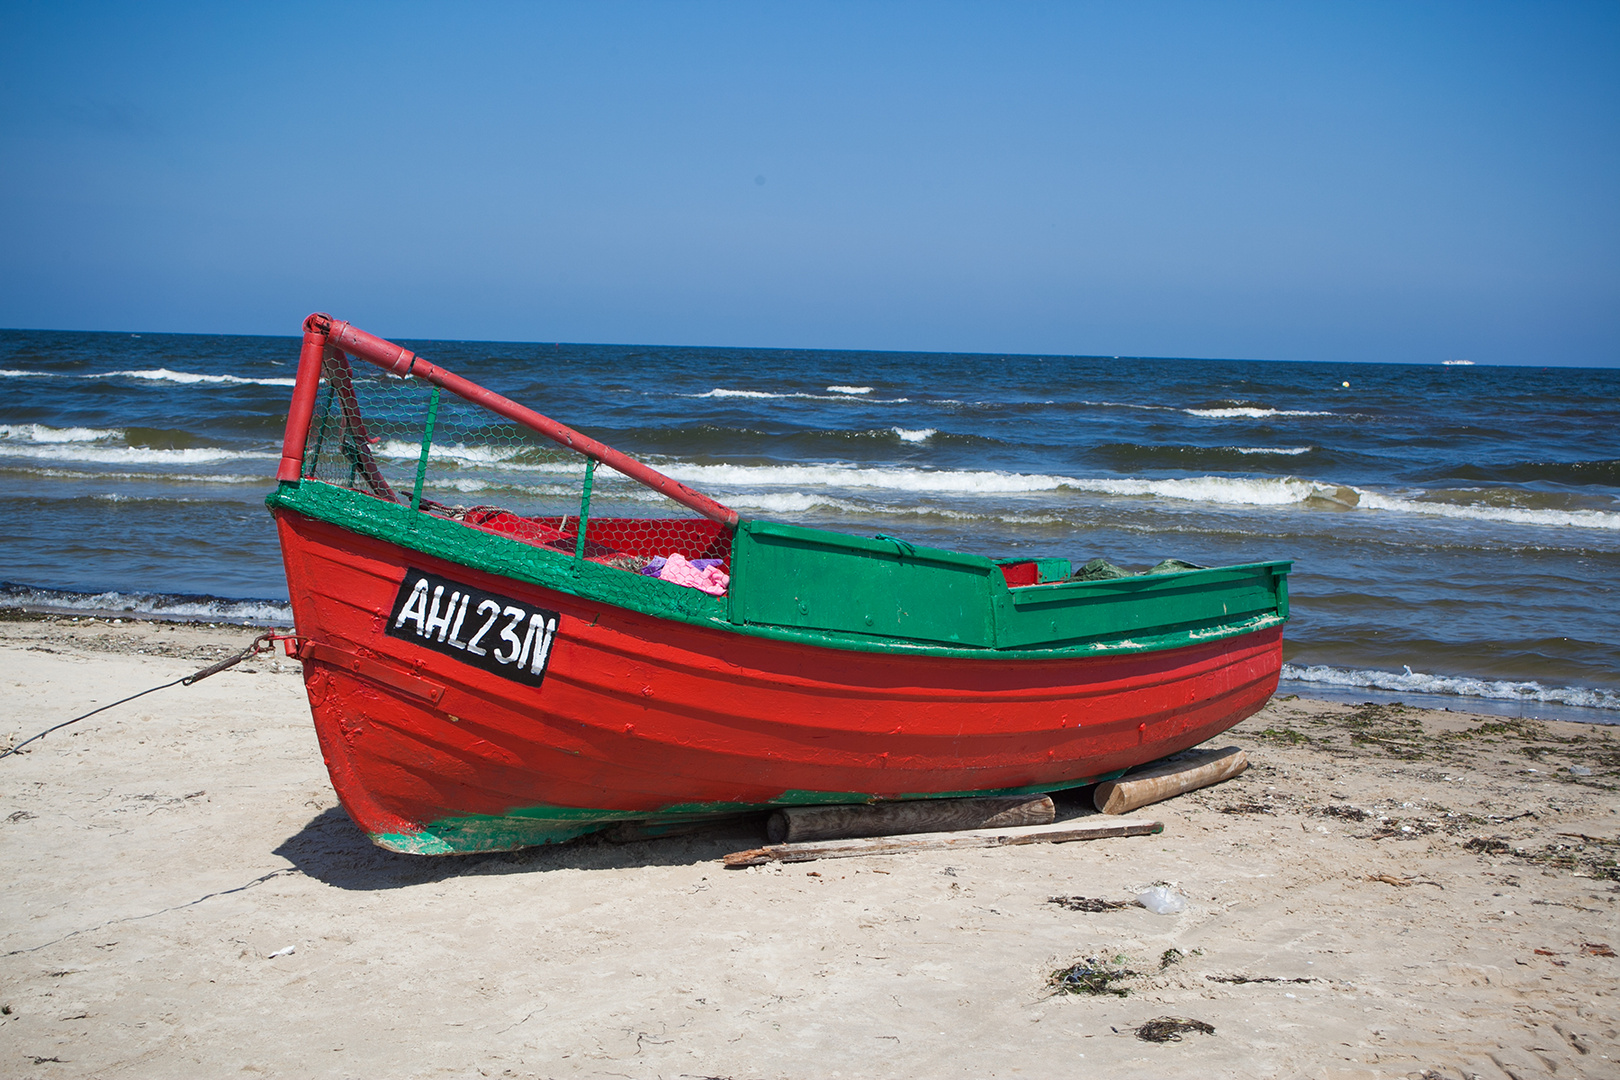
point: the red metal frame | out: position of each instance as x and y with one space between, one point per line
322 331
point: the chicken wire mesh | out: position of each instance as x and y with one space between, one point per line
401 439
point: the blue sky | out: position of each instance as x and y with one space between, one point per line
1362 182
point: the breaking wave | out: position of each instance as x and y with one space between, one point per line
189 377
92 453
1251 412
1217 490
40 433
845 393
917 435
1416 682
157 604
150 375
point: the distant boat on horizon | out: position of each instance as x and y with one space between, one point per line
1458 363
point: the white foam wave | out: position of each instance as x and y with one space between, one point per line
1576 519
188 377
197 607
1416 682
15 373
854 476
850 389
178 478
1220 490
846 394
794 502
476 456
1127 405
467 486
1251 413
128 455
39 433
719 392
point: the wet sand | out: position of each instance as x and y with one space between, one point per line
1387 892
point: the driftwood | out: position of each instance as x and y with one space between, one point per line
794 824
1059 833
1171 776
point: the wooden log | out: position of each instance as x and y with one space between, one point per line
1059 833
629 832
794 824
1169 776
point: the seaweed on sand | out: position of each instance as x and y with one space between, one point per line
1090 903
1092 976
1169 1028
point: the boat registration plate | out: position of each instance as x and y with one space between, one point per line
484 629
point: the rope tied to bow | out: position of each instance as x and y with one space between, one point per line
265 642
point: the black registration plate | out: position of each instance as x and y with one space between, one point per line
480 628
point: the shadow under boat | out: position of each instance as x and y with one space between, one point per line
331 850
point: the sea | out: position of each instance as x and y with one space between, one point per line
1454 528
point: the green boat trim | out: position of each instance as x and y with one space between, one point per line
536 825
814 587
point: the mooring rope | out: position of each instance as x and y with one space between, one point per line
262 643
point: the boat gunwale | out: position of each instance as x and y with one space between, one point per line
503 556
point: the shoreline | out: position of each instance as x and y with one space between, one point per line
1387 890
1327 693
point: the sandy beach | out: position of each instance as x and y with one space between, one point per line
1387 892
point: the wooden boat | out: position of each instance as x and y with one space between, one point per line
483 679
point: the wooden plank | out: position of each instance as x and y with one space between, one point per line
1173 775
796 824
1088 828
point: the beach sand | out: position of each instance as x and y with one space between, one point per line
1385 893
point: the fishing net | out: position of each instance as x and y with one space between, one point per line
404 440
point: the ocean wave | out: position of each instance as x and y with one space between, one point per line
177 605
719 392
150 375
1128 405
917 435
40 433
91 453
1211 489
99 475
856 476
1251 412
1576 519
519 456
1218 489
845 394
189 377
849 389
1413 682
795 502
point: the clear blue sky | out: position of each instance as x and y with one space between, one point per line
1384 182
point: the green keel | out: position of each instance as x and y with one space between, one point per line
535 825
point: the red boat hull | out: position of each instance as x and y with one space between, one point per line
643 718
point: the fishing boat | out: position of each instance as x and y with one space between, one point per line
494 676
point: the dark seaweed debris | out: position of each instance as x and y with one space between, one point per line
1249 807
1165 1029
1092 976
1090 903
1487 845
1241 979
